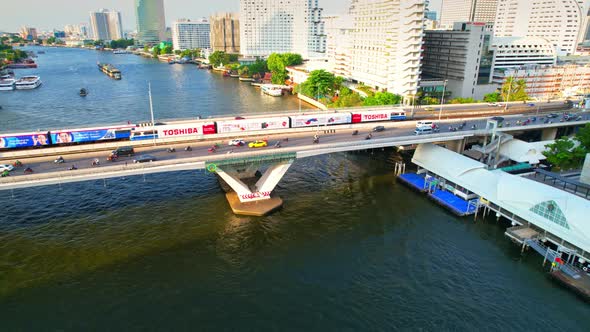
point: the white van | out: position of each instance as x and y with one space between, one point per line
422 124
423 131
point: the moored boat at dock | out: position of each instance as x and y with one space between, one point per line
7 84
110 70
272 90
28 82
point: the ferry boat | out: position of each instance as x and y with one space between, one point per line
110 70
272 90
120 51
28 82
7 84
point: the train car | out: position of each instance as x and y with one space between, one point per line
253 124
320 119
24 140
372 116
195 129
90 135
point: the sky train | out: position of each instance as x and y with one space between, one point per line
198 128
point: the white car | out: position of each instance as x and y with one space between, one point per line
6 168
236 142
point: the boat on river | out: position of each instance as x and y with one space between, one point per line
7 84
28 82
272 90
83 92
110 70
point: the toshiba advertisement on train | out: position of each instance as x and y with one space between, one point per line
186 129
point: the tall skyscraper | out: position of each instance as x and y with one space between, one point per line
106 25
559 21
468 11
268 26
225 32
151 26
386 44
188 35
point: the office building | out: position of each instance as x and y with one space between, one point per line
455 55
225 32
550 82
468 11
151 26
387 44
189 35
559 21
106 25
271 26
28 33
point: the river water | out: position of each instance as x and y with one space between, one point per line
352 249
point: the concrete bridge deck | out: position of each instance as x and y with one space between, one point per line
299 143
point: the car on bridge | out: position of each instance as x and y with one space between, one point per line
378 129
257 144
6 167
236 142
552 116
144 159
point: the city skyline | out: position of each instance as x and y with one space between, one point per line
48 16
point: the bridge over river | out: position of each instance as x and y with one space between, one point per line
234 164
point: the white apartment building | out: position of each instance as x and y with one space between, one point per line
188 35
272 26
455 55
512 52
547 82
559 21
339 44
468 11
106 25
387 44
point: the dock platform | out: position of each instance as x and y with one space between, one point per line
414 180
580 284
454 203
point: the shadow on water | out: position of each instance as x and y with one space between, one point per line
352 249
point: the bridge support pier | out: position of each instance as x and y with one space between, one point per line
257 199
548 134
456 146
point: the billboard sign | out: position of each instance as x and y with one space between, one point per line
186 129
235 126
23 140
311 120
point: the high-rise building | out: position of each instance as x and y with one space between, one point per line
28 33
269 26
106 25
468 11
559 21
387 44
455 55
151 26
225 32
188 35
338 44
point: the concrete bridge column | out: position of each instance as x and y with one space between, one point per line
548 134
456 146
256 200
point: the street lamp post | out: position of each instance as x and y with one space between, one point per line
508 98
442 100
152 112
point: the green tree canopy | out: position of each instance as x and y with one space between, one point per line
493 97
121 43
569 152
167 50
514 90
278 62
382 98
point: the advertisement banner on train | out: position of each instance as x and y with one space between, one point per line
186 129
23 140
90 135
369 116
244 125
311 120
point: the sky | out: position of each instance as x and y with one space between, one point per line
50 14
